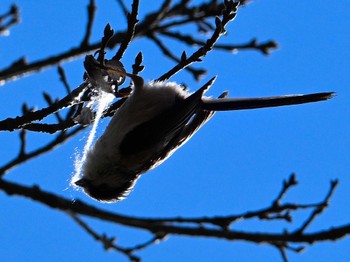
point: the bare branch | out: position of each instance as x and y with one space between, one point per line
165 21
265 47
14 72
282 251
286 185
228 15
91 17
11 124
132 21
194 13
153 226
9 19
22 137
63 78
23 157
318 209
49 101
108 242
123 7
197 73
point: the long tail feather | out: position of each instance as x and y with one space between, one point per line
226 104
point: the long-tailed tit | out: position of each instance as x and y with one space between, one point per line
156 120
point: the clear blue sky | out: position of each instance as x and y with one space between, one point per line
234 164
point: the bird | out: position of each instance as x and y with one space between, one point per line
156 119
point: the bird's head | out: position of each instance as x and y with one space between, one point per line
105 181
105 192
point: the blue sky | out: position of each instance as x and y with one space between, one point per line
235 163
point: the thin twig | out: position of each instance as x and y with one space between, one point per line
161 14
22 150
132 22
319 209
228 15
108 242
59 139
287 184
91 17
72 110
154 240
15 72
50 128
224 221
11 124
123 7
197 73
282 251
63 78
49 101
9 19
265 47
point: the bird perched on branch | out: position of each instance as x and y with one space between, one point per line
155 121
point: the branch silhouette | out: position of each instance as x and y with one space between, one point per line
163 23
196 227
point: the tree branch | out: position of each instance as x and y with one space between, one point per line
229 14
91 17
132 22
155 226
23 156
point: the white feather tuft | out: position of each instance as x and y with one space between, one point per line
102 101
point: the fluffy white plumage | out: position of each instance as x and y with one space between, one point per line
142 105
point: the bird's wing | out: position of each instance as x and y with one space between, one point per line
186 132
158 131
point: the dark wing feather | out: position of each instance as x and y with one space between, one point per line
164 127
187 131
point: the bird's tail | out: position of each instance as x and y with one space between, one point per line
226 104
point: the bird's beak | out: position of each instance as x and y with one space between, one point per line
80 182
